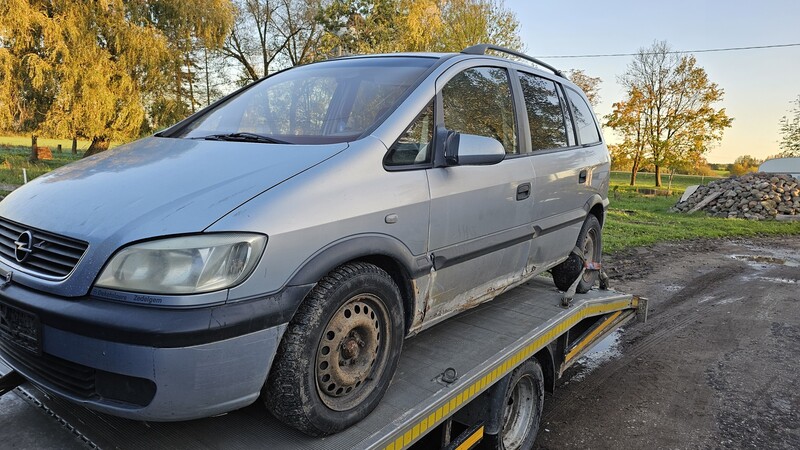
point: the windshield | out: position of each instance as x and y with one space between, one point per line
327 102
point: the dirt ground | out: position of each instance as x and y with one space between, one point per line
715 366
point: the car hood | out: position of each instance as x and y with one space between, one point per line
154 187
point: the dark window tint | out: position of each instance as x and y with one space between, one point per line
545 116
332 101
478 101
584 122
414 146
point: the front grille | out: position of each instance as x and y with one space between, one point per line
51 255
74 378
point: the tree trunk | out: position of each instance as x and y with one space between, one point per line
99 144
634 171
74 145
658 176
34 153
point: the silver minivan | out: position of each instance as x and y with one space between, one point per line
281 243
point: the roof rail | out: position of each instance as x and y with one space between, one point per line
481 49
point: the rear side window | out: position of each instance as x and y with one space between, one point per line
478 101
545 115
584 122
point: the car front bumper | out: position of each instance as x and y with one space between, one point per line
149 363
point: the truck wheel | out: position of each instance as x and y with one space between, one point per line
590 242
339 351
515 408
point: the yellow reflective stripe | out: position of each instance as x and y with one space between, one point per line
582 344
409 434
472 440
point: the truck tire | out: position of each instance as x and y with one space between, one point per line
515 409
590 242
339 351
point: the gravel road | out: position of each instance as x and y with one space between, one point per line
716 364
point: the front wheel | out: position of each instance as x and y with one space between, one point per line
590 243
339 352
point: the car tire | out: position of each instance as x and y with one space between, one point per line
590 241
515 408
339 351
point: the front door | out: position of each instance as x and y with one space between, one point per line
480 225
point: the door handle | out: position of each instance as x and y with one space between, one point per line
582 177
523 191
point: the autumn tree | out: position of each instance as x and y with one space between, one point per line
790 131
681 122
91 69
369 26
470 22
628 119
589 85
190 27
358 26
270 35
744 164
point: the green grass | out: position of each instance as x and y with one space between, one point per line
648 180
635 220
25 141
14 159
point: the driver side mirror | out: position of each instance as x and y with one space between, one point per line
461 149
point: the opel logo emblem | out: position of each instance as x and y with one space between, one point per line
24 246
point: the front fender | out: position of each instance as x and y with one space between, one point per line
355 247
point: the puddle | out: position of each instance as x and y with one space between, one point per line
605 350
726 301
766 260
779 280
781 257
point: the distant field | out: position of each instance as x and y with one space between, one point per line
25 141
634 220
643 179
14 159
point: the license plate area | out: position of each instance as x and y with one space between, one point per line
20 328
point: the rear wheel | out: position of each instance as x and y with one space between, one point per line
339 352
590 243
515 405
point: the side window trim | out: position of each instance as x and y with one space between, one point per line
431 145
572 133
520 114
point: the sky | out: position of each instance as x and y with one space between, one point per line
759 85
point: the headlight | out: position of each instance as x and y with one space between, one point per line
184 265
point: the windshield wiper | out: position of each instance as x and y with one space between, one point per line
243 137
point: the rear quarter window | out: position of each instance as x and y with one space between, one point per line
583 118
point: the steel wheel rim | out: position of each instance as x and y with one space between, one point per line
352 352
589 252
518 415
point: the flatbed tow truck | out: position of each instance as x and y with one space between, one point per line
438 397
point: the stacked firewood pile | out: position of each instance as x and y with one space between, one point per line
754 196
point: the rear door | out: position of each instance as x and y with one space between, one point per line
480 215
562 167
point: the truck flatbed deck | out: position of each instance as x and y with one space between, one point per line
482 345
